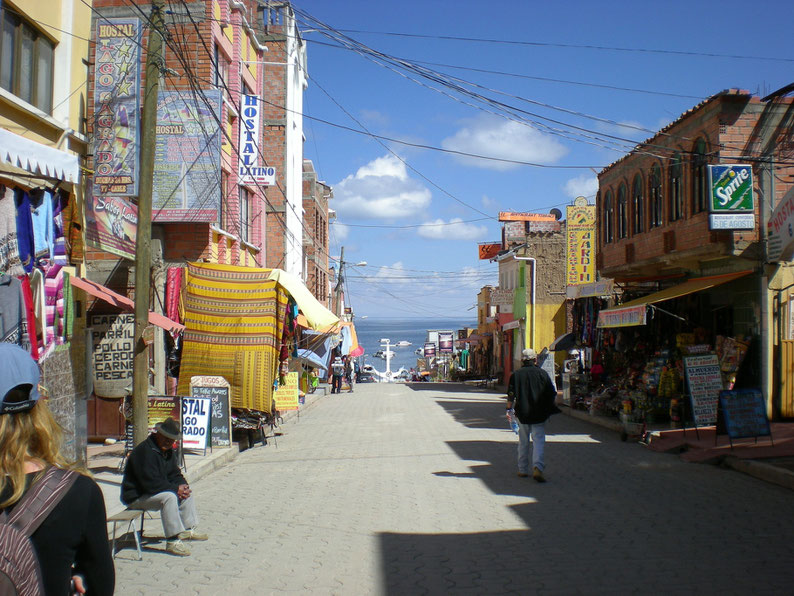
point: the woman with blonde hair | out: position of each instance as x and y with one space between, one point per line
71 542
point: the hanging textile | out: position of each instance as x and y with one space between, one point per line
234 322
72 229
30 317
25 240
60 199
173 290
43 223
9 248
13 315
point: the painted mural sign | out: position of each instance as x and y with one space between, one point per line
117 82
580 242
250 172
622 317
187 161
731 201
111 224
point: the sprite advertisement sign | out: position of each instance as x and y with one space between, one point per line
731 188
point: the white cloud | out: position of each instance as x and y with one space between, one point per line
340 231
492 136
455 229
488 202
584 185
394 273
381 189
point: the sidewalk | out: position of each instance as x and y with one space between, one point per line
103 460
768 460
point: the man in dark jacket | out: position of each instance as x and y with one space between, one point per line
533 394
153 482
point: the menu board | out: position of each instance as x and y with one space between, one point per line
743 414
705 383
286 396
216 389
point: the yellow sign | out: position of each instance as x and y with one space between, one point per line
581 244
286 396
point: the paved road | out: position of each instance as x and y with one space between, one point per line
394 491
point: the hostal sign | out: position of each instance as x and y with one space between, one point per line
731 197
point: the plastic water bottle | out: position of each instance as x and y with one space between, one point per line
513 421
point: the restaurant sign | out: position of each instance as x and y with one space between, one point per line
731 201
580 246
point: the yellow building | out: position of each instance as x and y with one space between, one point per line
43 76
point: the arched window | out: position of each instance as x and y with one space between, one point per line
623 227
655 196
608 214
676 200
699 177
638 206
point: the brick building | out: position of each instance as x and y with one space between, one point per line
660 228
316 195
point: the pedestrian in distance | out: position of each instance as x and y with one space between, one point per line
153 482
349 373
337 372
531 394
53 525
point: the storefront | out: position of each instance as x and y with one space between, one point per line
633 356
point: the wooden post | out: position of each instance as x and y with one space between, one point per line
143 240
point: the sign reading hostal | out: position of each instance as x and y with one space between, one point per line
250 172
731 201
780 230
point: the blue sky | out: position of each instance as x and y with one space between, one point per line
414 210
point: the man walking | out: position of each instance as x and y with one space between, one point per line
531 391
337 372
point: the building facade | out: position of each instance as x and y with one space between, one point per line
316 195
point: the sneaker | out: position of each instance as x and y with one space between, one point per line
537 475
193 535
522 474
177 547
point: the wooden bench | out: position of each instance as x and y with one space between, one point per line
129 516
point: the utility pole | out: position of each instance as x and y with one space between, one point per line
143 239
338 289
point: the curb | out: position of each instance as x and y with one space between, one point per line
609 423
762 471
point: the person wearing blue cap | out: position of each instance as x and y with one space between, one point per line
69 536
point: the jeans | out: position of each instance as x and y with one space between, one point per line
176 516
537 444
336 384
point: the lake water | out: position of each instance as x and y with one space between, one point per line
371 330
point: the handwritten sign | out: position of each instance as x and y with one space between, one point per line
286 396
744 414
216 389
195 422
705 384
112 338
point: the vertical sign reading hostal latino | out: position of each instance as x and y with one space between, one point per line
580 244
250 170
731 200
112 337
117 83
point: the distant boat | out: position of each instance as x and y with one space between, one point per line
403 343
419 352
380 354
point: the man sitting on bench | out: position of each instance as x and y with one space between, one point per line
152 482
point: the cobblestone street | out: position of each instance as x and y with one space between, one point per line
393 490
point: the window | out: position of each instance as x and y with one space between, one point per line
25 61
245 214
220 75
655 195
676 200
623 228
699 177
608 221
638 206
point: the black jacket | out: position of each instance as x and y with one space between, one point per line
149 471
533 394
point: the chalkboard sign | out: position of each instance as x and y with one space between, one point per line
705 383
220 413
742 414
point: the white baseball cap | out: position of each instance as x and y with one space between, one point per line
529 354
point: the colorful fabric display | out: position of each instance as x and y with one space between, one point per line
24 219
9 249
30 317
39 302
53 302
13 326
60 199
72 229
43 226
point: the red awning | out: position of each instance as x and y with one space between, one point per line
124 303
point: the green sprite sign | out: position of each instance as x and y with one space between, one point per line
731 188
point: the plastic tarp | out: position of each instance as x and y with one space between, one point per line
316 314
